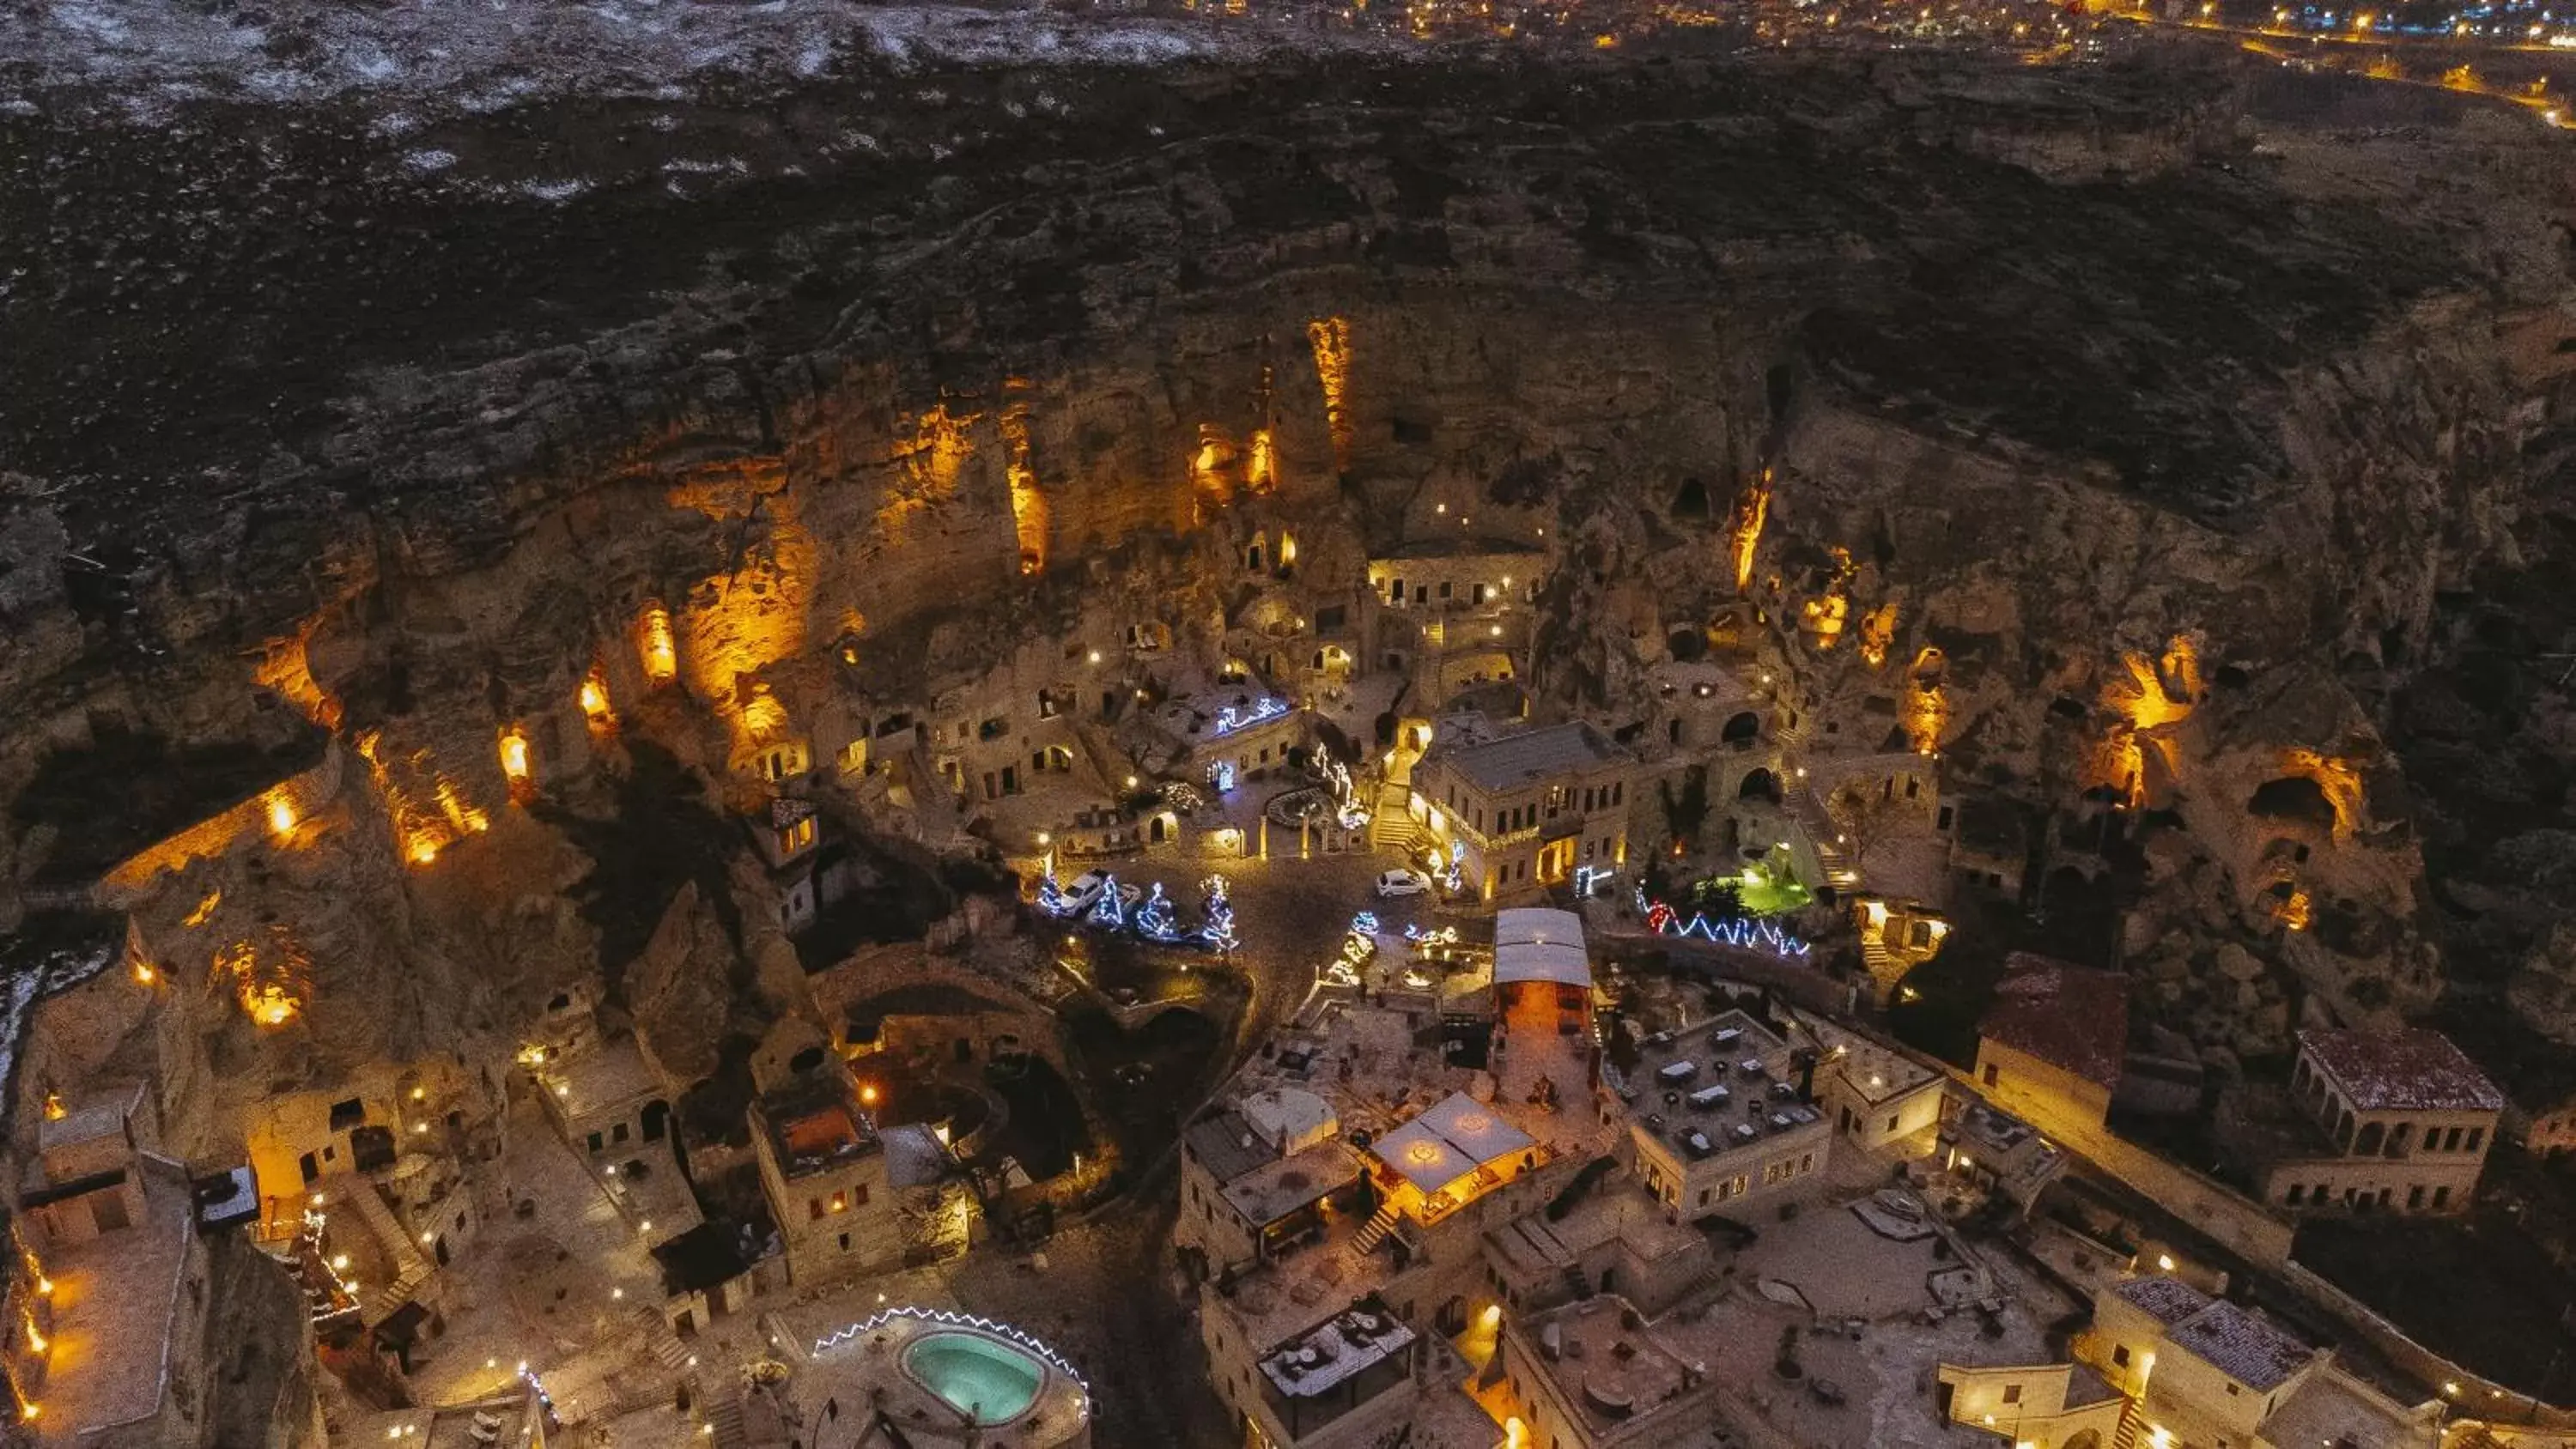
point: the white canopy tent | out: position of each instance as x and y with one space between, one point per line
1455 1137
1536 944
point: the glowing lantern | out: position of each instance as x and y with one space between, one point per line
281 815
661 654
514 763
594 701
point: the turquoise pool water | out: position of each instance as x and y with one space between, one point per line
989 1381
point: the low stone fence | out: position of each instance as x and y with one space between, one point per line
2478 1397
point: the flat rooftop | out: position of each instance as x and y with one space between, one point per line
815 1124
1511 761
503 1422
1716 1085
1700 680
116 1306
2330 1407
1875 1073
97 1115
1311 1363
1618 1371
1362 1059
606 1077
1280 1186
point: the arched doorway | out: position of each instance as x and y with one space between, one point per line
1759 784
657 1119
1743 729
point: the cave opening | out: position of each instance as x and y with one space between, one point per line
2294 798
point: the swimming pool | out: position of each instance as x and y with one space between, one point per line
983 1378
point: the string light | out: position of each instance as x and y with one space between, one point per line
945 1318
1110 909
1218 932
1738 931
1154 918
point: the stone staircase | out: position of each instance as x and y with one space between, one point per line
1376 1229
411 1270
1390 827
2126 1436
1810 813
1874 955
724 1422
667 1349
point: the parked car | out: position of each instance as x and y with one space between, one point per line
1402 883
1084 889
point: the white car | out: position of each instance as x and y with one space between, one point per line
1083 891
1402 883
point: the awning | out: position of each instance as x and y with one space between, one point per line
1536 944
1458 1135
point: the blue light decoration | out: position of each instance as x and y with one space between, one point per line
1235 717
1445 936
1051 896
1453 879
1586 877
1154 918
1221 776
1750 935
1109 910
545 1401
1218 932
1364 924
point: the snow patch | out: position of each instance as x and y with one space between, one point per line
489 54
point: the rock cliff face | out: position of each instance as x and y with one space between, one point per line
2039 371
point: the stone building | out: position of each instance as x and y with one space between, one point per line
2051 1046
1261 1176
2549 1126
1718 1119
2201 1370
1879 1097
1597 1373
1450 615
2401 1122
824 1171
1525 810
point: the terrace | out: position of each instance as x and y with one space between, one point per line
116 1306
815 1125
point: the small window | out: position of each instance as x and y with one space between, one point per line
2233 1390
845 1242
348 1114
2012 1393
2298 1194
2475 1135
813 1209
2120 1354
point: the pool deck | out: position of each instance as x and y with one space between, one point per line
875 1366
